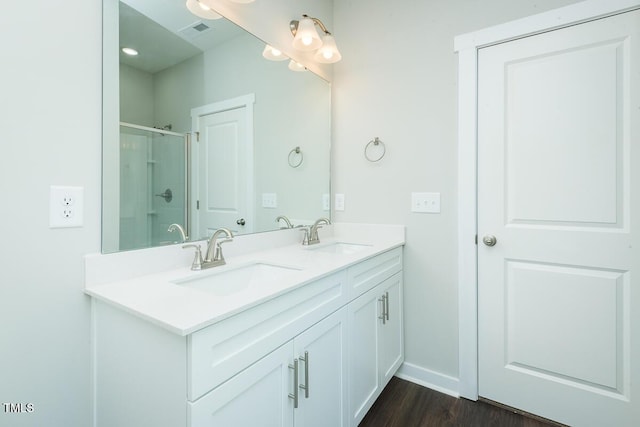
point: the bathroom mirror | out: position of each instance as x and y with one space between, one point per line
199 129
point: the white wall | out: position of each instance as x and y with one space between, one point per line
397 81
50 102
136 97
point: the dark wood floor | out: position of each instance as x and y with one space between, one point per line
405 404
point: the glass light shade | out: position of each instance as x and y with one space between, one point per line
243 1
306 37
201 10
130 51
273 54
329 52
295 66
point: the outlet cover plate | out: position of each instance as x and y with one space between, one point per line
339 200
66 206
326 202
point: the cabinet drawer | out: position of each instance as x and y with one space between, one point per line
369 273
219 351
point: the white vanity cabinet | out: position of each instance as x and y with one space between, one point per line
343 331
301 384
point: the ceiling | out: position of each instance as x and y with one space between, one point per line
165 33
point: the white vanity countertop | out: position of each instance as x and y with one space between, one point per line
152 295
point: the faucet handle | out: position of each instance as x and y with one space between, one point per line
197 260
305 239
218 256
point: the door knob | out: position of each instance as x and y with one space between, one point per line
241 221
489 240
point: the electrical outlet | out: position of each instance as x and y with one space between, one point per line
68 199
326 202
339 202
65 206
425 202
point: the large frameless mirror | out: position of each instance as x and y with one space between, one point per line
200 130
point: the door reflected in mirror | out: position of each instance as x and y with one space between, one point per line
207 117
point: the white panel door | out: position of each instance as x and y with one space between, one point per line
224 173
559 188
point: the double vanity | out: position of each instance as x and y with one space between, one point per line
281 335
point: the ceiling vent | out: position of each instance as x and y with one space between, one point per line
194 30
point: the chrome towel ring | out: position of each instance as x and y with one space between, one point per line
370 148
295 157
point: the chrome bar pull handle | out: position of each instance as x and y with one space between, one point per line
294 395
305 386
383 315
386 303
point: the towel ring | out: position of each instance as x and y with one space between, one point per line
291 161
374 143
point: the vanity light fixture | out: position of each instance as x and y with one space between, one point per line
130 51
273 54
328 52
243 1
296 66
201 10
306 38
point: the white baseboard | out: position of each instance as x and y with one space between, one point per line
430 379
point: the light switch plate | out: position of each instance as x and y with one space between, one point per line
269 200
425 202
66 206
339 202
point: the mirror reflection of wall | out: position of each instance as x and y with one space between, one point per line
291 109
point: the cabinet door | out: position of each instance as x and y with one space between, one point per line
322 354
364 382
257 396
390 333
376 342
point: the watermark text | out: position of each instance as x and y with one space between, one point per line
18 408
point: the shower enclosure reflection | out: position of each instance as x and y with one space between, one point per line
153 185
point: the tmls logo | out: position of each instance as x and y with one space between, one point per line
18 407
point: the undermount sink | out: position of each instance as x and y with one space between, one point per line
340 248
238 279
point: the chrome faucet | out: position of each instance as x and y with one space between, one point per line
286 220
311 234
183 235
213 256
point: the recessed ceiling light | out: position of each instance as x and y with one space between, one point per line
130 51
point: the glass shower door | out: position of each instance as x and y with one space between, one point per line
153 185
